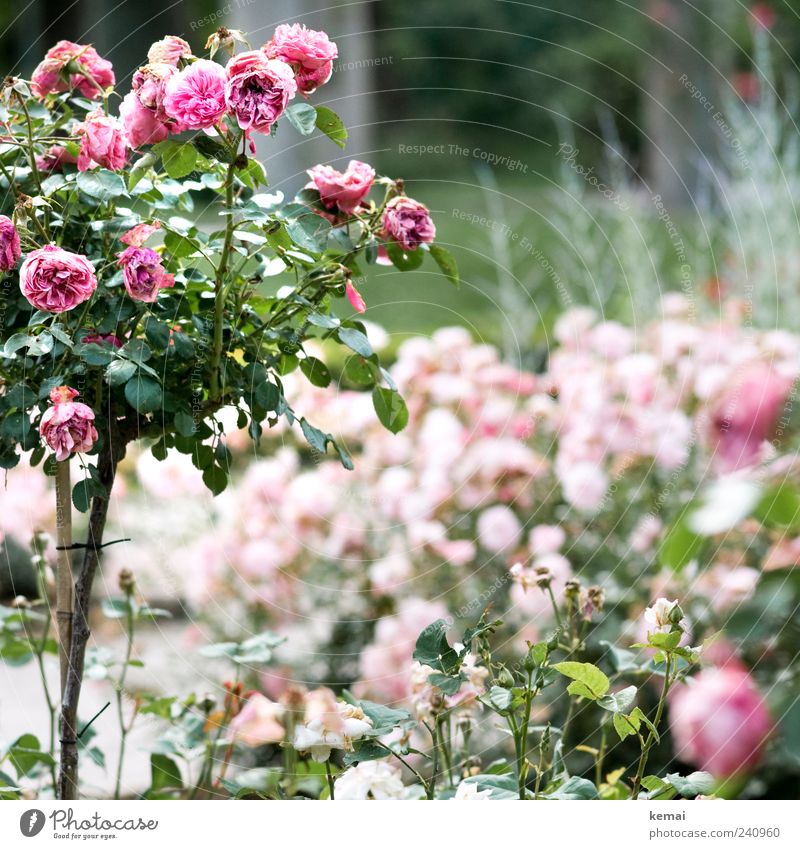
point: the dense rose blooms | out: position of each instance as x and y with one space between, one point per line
102 142
169 50
719 721
143 273
746 415
357 302
342 191
9 244
54 159
52 72
139 234
55 280
310 53
140 124
258 722
67 427
195 96
408 223
258 89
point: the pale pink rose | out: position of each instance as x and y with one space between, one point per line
102 142
9 244
746 416
54 159
140 124
719 720
342 191
55 280
258 722
169 50
546 539
357 301
258 89
584 484
499 530
309 52
408 223
195 96
87 71
138 235
646 533
68 426
143 273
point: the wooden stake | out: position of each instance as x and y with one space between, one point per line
64 582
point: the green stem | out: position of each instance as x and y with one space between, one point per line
408 766
330 779
120 689
637 781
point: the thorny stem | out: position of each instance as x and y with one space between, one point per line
120 690
646 746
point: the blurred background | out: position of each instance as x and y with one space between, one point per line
572 152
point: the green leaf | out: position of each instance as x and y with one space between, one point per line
184 423
164 773
695 784
143 394
780 507
215 478
119 372
302 116
432 648
25 753
593 681
625 726
116 608
316 371
502 787
501 697
179 158
681 544
178 245
101 184
355 340
619 701
448 684
404 260
574 788
447 263
84 491
309 231
140 168
331 124
314 436
390 408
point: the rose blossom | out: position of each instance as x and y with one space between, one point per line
91 74
258 722
309 52
55 280
140 124
143 273
370 780
408 222
169 50
67 427
54 159
258 89
342 191
195 96
139 234
720 721
331 725
102 142
9 244
102 338
659 617
498 529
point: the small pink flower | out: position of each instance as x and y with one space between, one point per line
9 244
499 529
354 296
258 89
139 234
140 124
102 142
69 65
54 159
720 721
342 191
408 222
68 426
195 96
55 280
258 722
169 50
309 52
143 273
745 417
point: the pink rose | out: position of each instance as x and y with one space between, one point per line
258 90
140 124
69 65
357 301
499 529
408 223
343 191
102 142
258 722
745 417
310 53
102 339
9 244
169 50
54 159
150 85
139 234
67 427
195 96
55 280
720 721
144 274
